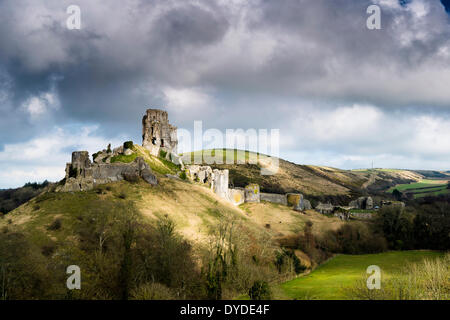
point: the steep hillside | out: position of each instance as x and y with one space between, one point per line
194 208
12 198
176 239
39 239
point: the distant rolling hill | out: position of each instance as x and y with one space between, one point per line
316 182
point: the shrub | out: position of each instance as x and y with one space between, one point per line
47 250
260 291
162 154
183 175
427 280
95 155
99 190
152 291
285 257
123 158
131 177
122 195
128 145
352 239
108 150
55 225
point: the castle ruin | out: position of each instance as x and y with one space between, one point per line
157 133
83 175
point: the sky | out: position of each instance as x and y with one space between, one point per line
340 94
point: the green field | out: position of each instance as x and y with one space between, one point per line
426 187
328 280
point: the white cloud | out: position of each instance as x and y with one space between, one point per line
39 105
44 157
187 99
353 136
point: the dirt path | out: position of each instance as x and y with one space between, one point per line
370 181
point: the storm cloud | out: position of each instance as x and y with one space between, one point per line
341 94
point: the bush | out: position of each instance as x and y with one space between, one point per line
183 175
288 258
55 225
352 239
152 291
47 250
427 280
95 155
131 177
128 145
162 154
123 158
260 291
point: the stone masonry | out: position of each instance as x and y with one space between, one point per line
82 175
157 133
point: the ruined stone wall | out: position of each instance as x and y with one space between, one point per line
252 193
365 203
219 183
82 175
295 200
158 133
274 198
236 196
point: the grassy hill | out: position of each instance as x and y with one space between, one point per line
40 238
423 188
318 183
173 240
330 280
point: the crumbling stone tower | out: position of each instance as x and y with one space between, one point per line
157 133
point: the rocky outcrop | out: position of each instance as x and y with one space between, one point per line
82 175
157 133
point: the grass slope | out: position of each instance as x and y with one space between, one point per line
328 281
194 208
425 187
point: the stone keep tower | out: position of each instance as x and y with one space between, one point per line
157 133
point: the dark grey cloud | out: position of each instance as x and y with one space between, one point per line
250 64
